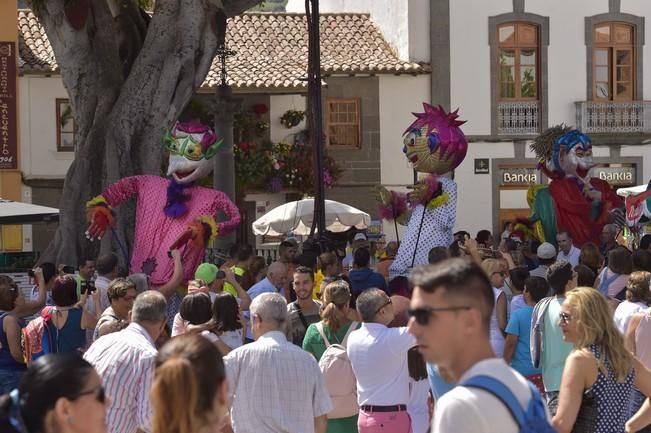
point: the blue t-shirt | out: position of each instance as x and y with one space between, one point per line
438 385
520 325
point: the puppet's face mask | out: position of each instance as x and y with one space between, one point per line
191 146
578 161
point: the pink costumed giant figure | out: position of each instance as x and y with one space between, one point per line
171 213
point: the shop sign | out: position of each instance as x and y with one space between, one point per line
481 166
616 175
519 176
8 106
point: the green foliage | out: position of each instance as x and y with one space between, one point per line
270 6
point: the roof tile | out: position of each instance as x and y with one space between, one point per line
271 49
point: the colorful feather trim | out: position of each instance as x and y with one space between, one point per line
97 201
438 201
396 208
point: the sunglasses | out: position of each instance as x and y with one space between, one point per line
565 318
388 302
100 394
422 315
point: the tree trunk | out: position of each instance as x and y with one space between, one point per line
128 78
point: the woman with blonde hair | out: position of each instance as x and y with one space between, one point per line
188 394
599 373
496 272
334 328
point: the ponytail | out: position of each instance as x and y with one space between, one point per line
333 316
174 396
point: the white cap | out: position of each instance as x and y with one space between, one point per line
360 237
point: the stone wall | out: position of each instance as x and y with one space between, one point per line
361 165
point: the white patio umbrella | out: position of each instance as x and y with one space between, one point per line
15 212
297 216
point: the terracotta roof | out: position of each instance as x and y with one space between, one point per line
271 49
36 53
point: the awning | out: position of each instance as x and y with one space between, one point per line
15 212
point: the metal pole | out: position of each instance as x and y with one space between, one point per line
314 108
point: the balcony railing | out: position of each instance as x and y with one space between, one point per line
518 118
614 117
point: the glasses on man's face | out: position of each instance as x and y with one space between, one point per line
565 318
100 394
422 315
388 302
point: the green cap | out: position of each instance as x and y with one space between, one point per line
206 272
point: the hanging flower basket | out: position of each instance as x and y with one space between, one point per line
292 118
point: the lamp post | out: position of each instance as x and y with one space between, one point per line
224 108
315 117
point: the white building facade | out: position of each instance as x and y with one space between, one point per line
514 68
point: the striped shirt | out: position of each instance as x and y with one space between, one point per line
275 387
125 361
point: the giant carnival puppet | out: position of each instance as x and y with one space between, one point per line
573 201
434 145
172 213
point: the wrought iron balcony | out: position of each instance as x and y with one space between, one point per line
614 117
518 118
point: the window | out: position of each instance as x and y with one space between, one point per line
343 125
65 126
518 61
613 64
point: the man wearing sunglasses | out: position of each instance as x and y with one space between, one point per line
378 355
450 314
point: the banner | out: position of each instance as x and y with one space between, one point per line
8 107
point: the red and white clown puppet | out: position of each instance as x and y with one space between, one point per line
171 213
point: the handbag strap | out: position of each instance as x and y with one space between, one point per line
300 315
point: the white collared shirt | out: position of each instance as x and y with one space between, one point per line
275 386
379 358
572 257
125 361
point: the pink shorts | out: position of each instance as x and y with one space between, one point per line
384 422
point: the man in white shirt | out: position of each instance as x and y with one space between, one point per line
566 249
378 356
126 360
275 386
452 305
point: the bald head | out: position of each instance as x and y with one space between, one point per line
277 274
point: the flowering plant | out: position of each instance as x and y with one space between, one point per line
272 167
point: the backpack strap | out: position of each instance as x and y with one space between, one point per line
501 392
319 327
351 328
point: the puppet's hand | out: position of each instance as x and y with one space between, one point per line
100 217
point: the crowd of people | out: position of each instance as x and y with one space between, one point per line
321 343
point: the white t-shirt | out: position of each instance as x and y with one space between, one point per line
417 406
474 410
624 312
232 339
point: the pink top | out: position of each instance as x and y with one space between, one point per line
155 231
642 338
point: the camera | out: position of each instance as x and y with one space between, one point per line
87 286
